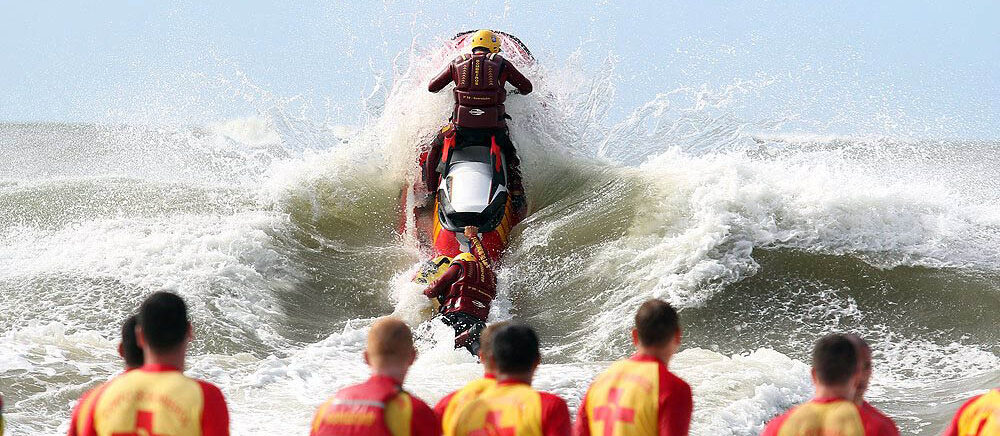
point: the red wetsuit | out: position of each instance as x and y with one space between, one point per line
153 399
466 287
513 408
378 406
479 111
479 88
636 396
980 416
835 416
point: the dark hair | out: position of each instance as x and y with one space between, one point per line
657 322
164 320
835 359
515 349
130 347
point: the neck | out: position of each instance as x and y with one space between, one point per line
396 373
843 392
171 358
524 378
663 354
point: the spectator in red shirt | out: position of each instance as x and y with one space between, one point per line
835 371
640 395
156 398
513 407
379 406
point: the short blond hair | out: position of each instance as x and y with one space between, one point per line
389 341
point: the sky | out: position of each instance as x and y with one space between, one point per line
909 68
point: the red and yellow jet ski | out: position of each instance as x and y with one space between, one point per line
471 190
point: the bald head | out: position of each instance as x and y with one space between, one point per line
864 365
390 345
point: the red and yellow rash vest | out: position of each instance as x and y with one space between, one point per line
451 406
980 416
637 396
513 408
378 406
152 400
829 416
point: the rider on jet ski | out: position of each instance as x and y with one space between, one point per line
465 292
479 113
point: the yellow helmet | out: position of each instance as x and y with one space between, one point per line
468 257
485 39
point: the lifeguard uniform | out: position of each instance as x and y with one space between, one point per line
980 416
151 400
636 396
835 416
513 408
451 406
377 407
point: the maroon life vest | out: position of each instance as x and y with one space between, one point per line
359 410
473 292
479 90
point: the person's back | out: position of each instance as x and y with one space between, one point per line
479 111
156 398
449 408
379 406
979 416
640 395
832 410
513 407
479 79
466 291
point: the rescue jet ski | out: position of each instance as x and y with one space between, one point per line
472 189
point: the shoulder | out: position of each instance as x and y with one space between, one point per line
672 385
213 396
418 404
552 402
774 426
674 381
441 405
425 422
880 421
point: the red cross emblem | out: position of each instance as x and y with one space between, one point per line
611 412
143 425
492 426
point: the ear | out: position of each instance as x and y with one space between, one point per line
121 350
413 356
190 332
812 372
635 337
140 337
367 360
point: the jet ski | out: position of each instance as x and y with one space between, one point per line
472 188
